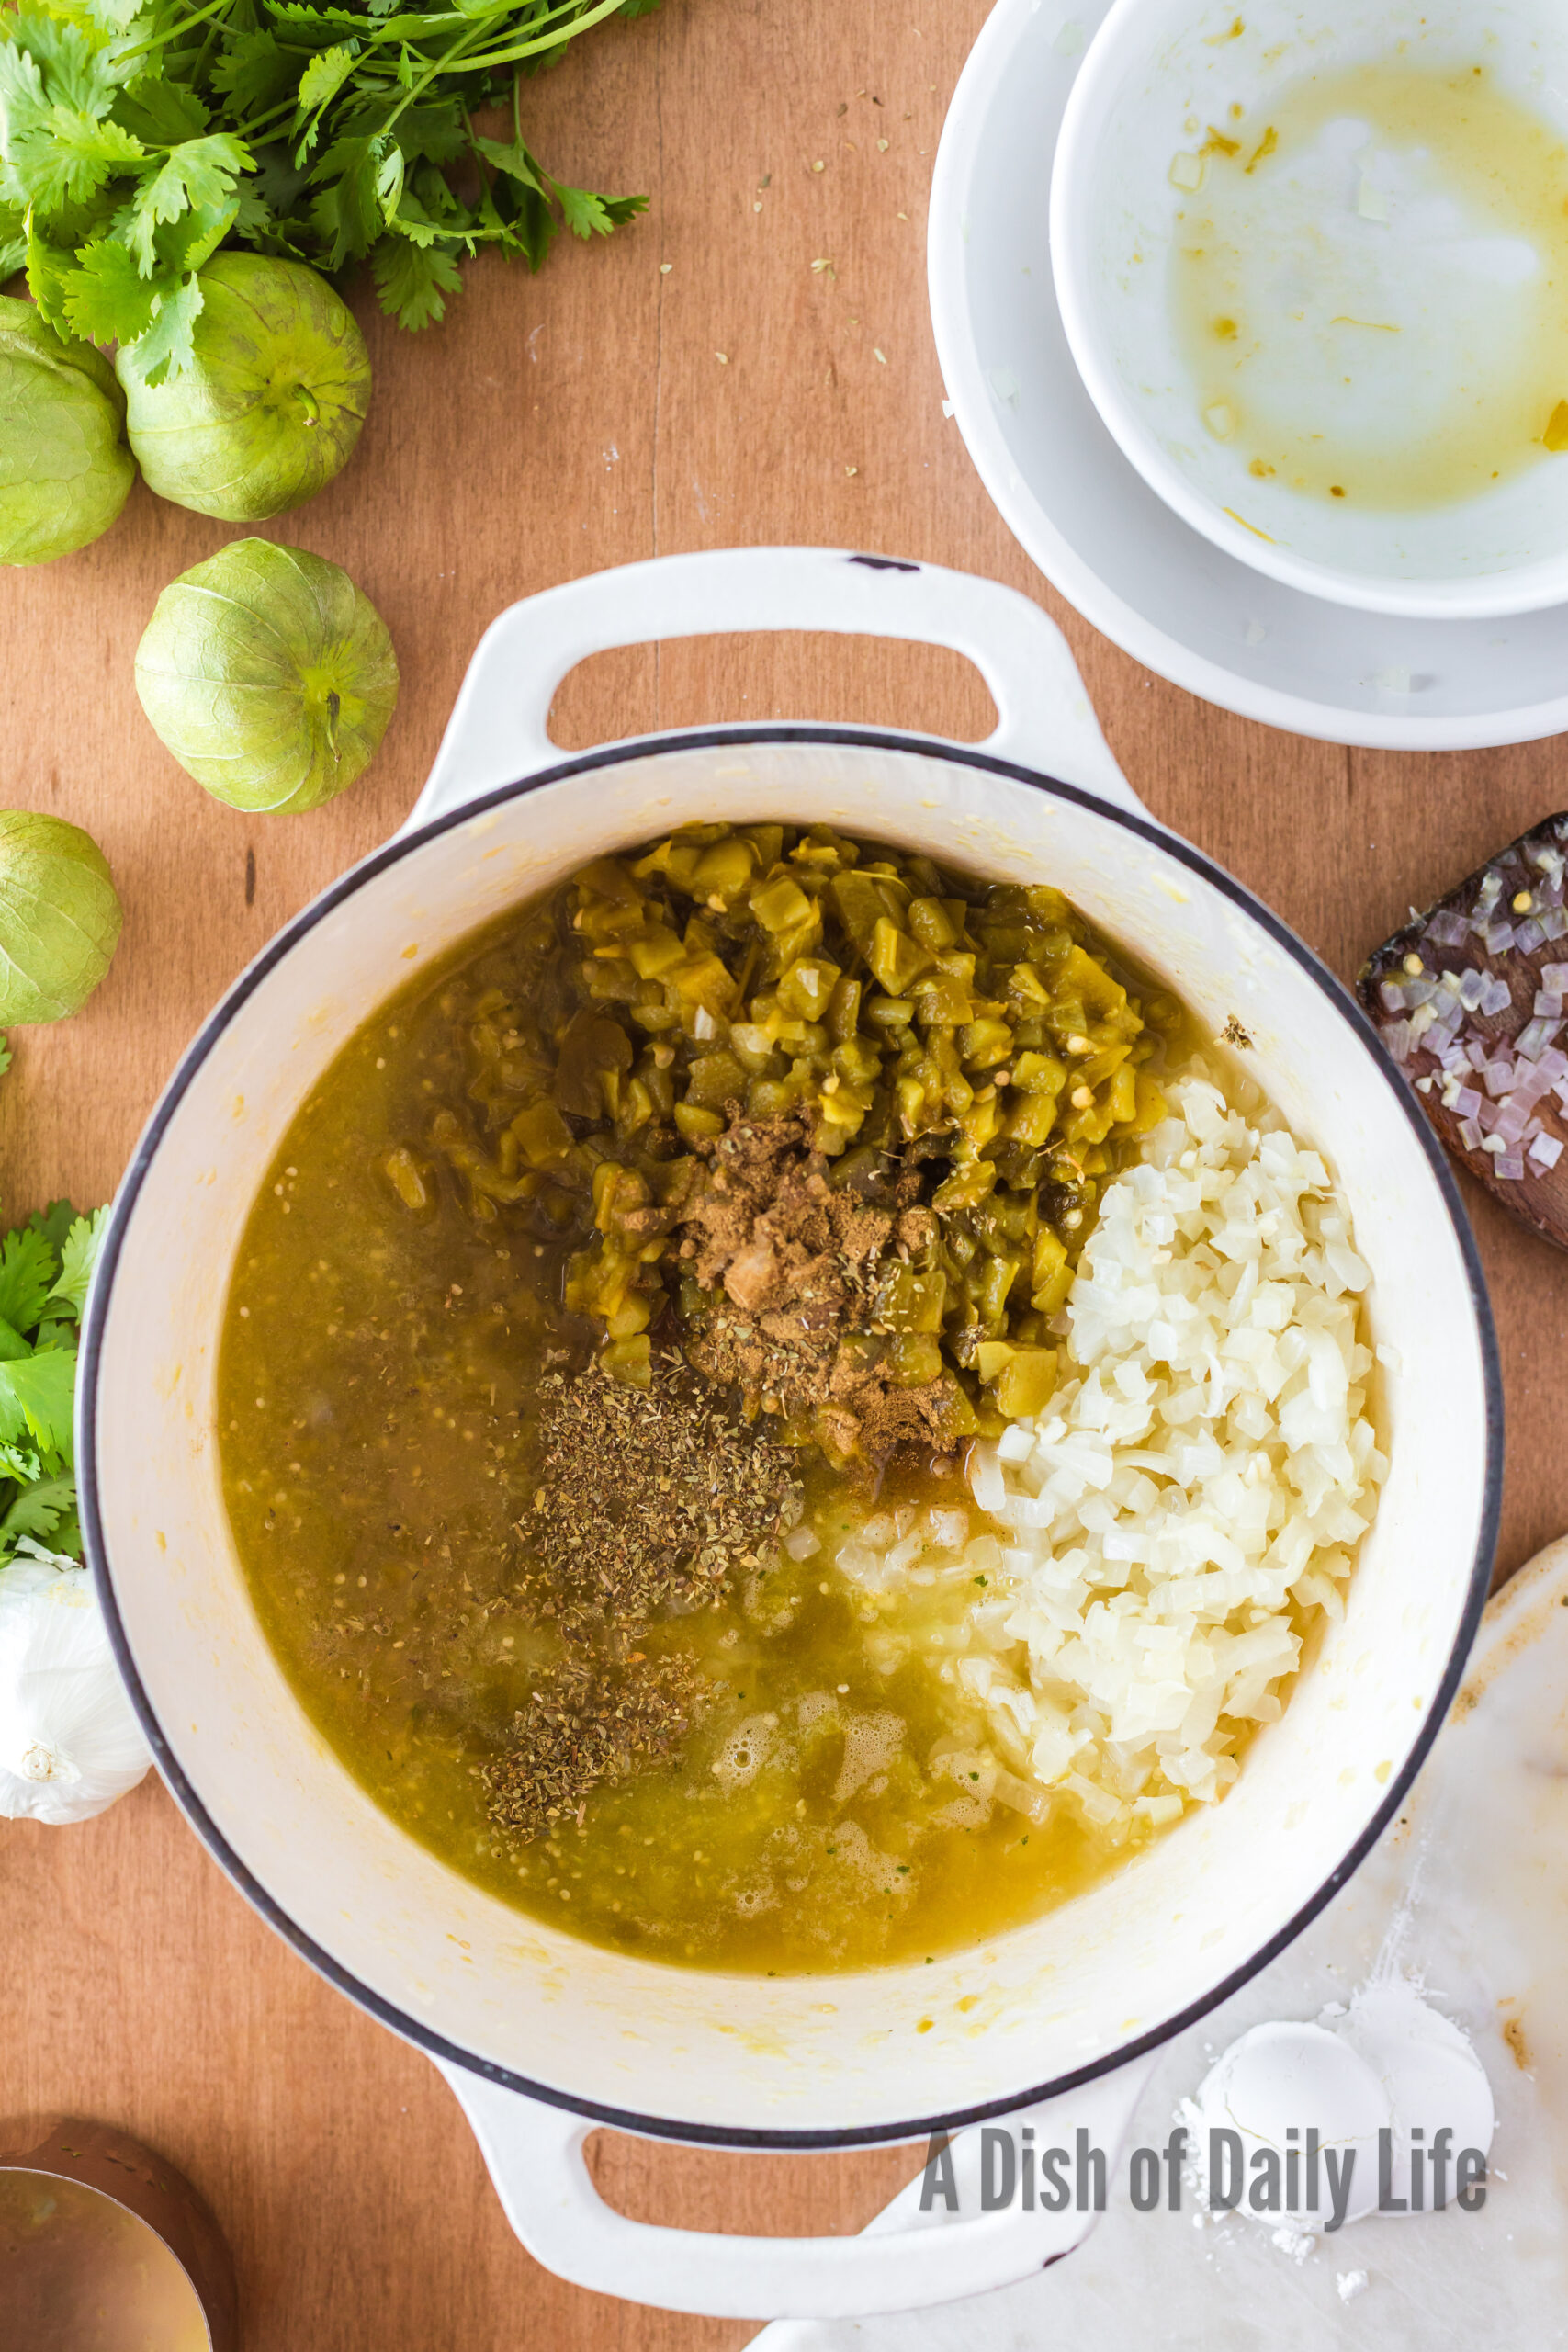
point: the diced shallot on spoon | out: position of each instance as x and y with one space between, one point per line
1472 1000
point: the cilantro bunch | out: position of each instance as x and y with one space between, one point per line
45 1268
138 136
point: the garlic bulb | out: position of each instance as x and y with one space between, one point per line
70 1742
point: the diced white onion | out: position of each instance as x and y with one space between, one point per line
1207 1458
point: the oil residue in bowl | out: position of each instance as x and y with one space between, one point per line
1370 285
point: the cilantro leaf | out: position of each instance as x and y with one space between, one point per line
254 71
79 1255
347 210
521 200
37 1392
184 245
389 183
254 218
85 15
24 111
166 344
277 182
54 1223
46 1263
83 75
588 215
65 1543
29 1263
12 239
583 212
324 76
303 17
514 161
412 281
38 1509
106 299
70 156
49 278
197 176
163 113
531 227
436 132
109 16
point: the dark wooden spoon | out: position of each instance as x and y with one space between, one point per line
1472 1000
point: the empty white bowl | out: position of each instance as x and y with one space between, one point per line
1379 218
1165 594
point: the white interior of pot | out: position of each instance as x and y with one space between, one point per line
824 2052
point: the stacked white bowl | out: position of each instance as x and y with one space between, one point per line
1154 485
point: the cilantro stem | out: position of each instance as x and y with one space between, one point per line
562 22
551 28
257 123
175 32
555 40
441 64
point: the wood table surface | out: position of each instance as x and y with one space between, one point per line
695 382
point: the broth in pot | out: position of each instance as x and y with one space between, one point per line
622 1362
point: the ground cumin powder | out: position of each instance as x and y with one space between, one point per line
797 1262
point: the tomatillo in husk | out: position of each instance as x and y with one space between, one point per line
274 403
64 467
60 917
268 675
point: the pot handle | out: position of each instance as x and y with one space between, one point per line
904 2261
498 732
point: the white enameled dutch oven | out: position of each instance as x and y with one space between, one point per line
541 2037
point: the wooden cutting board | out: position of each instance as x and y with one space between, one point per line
552 427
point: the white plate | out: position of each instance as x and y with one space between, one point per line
1101 535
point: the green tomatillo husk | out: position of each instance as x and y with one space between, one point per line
268 675
64 467
59 917
273 405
